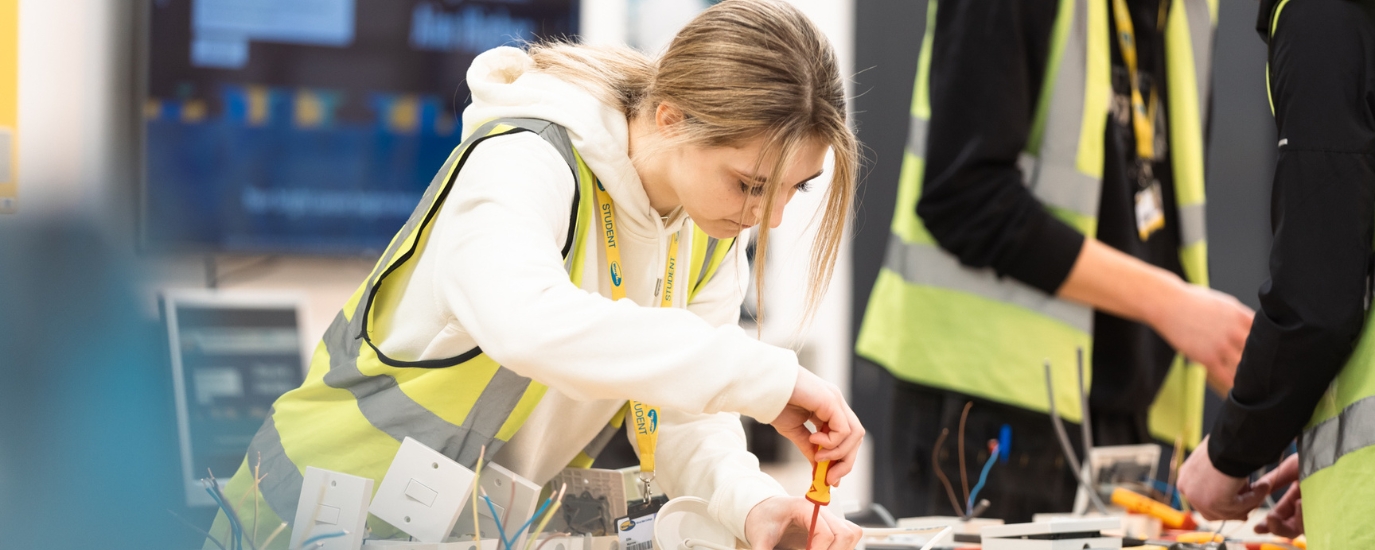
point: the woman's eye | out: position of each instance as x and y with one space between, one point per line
752 190
805 186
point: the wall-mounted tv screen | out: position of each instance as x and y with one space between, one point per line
309 126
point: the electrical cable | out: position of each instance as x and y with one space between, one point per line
940 473
1069 449
235 529
318 538
545 522
537 513
964 477
501 531
1086 426
215 484
274 534
477 476
983 477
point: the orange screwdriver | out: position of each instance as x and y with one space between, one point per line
820 492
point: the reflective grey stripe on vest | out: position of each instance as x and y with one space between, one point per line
1351 430
1201 39
706 261
379 398
921 264
1056 181
599 443
1052 177
281 484
1193 224
917 129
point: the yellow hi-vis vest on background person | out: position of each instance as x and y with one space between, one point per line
357 405
936 322
1337 449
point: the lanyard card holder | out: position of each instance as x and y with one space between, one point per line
636 530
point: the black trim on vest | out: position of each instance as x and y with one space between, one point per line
406 256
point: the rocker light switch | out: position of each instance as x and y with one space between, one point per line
422 492
327 514
330 503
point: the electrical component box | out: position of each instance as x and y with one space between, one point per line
1065 534
422 492
331 503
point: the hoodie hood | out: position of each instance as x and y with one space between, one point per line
505 84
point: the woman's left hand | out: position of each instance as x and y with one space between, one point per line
782 522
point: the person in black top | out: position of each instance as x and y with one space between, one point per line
988 61
1313 307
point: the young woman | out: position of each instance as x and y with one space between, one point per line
575 254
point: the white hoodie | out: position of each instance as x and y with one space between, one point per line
491 274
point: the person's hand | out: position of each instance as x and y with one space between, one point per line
1217 495
1208 327
1286 518
782 522
821 403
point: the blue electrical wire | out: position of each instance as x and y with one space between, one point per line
501 531
317 538
531 521
983 477
236 530
1167 489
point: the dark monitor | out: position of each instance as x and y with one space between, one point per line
309 126
233 355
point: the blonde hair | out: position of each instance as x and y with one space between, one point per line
741 70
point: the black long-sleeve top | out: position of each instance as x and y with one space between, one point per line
987 67
1322 74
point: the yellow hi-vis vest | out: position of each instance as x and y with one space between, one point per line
357 404
1337 448
936 322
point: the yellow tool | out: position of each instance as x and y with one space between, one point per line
1198 537
1141 504
820 492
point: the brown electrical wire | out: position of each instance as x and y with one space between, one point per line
964 476
940 472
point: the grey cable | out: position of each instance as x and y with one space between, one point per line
1069 449
1086 425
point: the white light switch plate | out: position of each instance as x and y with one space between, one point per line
497 481
331 502
423 492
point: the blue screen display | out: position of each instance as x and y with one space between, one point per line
310 126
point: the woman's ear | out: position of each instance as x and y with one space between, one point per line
666 115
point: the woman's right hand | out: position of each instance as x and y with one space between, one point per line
821 402
1208 327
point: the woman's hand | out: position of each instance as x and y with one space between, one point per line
821 403
782 522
